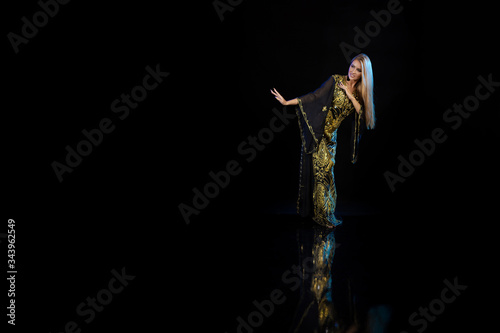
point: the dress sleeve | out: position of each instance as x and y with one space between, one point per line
357 130
311 113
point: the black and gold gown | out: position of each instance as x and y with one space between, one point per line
320 114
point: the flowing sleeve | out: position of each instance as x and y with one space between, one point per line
311 113
356 131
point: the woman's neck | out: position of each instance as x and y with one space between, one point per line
351 83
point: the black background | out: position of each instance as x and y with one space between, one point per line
119 207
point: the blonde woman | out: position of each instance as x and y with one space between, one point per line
320 114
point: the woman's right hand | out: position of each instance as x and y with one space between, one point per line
278 96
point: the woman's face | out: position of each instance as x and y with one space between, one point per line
355 70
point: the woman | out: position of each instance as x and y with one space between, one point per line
320 114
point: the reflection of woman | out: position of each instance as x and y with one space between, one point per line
315 311
320 114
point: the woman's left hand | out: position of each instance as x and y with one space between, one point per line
346 89
349 94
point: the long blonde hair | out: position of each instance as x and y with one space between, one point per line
365 89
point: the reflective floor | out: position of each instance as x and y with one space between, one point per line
292 275
255 272
284 273
334 293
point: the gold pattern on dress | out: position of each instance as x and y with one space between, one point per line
324 191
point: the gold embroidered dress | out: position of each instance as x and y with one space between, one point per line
320 114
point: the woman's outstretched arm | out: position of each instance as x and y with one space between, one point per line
283 101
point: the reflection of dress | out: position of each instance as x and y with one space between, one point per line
315 311
332 297
320 113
